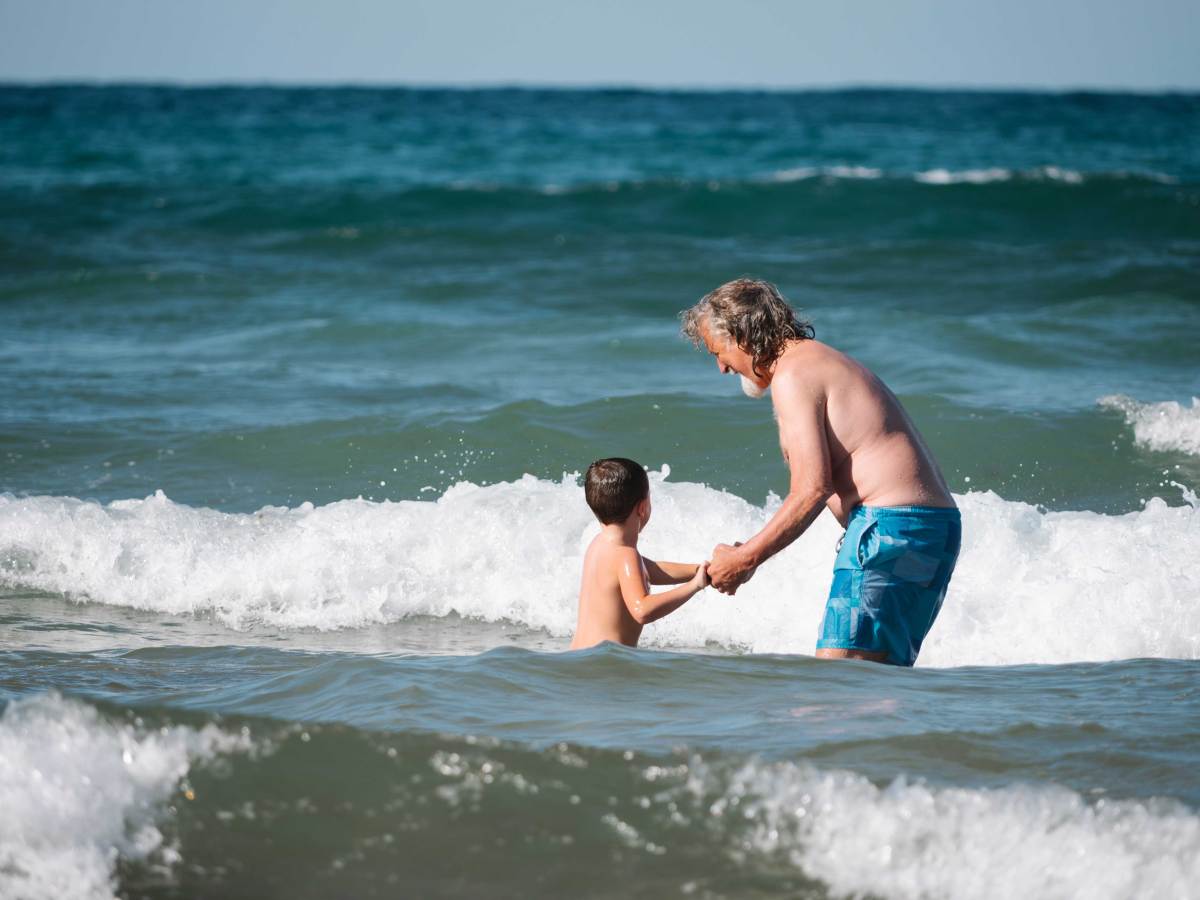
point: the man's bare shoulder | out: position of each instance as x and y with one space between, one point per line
809 355
812 366
805 370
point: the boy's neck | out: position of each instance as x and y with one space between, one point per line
623 533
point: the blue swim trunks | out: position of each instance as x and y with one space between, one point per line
889 579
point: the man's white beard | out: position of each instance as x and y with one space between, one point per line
752 390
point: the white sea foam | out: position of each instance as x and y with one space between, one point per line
1054 173
77 792
968 176
986 176
912 840
1160 426
1041 173
803 173
936 176
1030 586
983 175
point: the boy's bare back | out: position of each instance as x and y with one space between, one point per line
614 594
603 615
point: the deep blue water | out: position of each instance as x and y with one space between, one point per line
361 340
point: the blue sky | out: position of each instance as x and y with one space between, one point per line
1148 45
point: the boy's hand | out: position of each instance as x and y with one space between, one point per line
700 579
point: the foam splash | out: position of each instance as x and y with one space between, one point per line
987 176
911 840
78 792
942 176
1031 586
1160 426
803 173
970 176
1041 173
936 176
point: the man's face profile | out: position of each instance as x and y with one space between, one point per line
730 359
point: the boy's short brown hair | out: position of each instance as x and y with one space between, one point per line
613 487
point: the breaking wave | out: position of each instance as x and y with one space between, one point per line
79 791
1031 586
1160 426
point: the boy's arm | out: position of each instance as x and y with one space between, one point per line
635 592
669 572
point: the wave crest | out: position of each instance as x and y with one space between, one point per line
1160 426
1031 586
911 840
77 792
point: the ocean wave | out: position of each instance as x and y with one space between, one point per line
1160 426
801 173
1039 173
899 840
935 176
78 792
129 187
973 176
1031 586
911 840
986 176
86 791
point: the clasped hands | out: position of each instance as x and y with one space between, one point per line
728 570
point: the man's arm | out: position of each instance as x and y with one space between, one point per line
644 606
800 407
669 572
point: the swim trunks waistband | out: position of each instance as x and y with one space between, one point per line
883 512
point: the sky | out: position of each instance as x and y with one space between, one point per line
1058 44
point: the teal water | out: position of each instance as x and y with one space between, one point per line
297 384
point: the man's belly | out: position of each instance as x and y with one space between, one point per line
888 474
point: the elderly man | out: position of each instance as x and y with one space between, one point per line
849 446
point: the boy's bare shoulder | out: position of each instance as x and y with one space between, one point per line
612 555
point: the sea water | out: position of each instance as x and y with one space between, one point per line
298 385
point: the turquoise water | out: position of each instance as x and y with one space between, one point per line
297 387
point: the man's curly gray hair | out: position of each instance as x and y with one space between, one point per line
751 313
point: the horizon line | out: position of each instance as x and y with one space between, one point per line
598 86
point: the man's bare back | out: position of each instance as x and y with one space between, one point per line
876 454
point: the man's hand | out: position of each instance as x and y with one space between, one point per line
729 569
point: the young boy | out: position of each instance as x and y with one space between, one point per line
614 597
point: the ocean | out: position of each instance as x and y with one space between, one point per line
297 389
